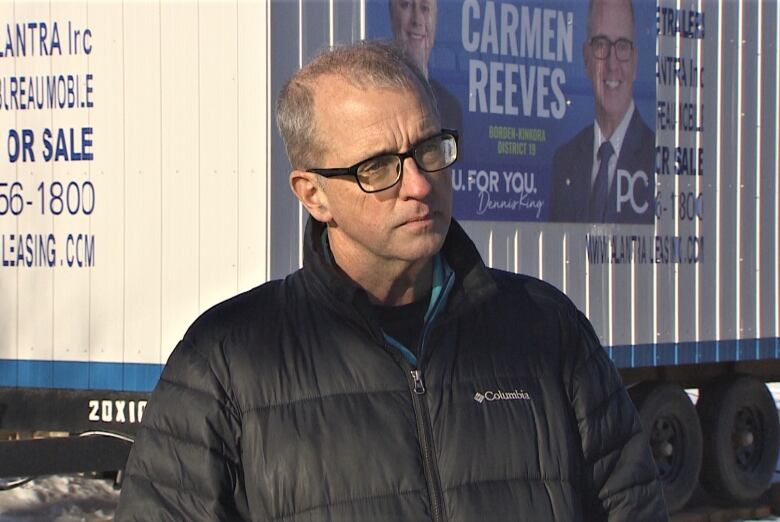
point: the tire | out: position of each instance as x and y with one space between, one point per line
740 426
671 429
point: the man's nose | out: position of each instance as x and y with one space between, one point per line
415 184
612 59
416 14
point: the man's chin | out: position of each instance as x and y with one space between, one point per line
612 110
417 50
422 248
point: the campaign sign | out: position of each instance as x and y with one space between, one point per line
523 82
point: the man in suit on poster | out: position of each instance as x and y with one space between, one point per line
413 23
605 174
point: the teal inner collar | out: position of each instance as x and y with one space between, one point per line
442 281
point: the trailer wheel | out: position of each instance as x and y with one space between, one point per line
740 425
672 430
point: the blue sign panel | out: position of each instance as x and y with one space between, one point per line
534 94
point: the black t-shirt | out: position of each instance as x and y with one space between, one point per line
404 323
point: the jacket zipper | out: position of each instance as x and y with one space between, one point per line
425 434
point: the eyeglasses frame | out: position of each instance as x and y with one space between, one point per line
402 156
612 44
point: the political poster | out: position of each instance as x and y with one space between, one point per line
534 92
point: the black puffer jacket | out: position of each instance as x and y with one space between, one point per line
287 403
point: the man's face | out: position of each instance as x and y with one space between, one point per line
414 26
407 222
612 79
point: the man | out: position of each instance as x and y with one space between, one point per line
394 377
414 27
606 172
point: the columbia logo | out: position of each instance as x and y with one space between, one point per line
515 395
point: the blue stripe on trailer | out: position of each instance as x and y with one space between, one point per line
79 375
672 354
141 377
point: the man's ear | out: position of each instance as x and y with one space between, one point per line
308 190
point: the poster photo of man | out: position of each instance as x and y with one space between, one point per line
553 99
413 23
605 173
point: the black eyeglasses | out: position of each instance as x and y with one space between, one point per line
385 170
602 47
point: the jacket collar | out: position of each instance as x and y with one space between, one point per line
473 281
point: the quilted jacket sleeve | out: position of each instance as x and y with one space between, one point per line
185 462
620 475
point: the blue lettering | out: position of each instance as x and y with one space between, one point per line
25 147
47 150
68 146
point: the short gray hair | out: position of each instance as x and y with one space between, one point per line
363 64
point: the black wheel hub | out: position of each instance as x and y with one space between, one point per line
746 439
666 441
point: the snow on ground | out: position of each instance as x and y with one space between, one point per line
60 498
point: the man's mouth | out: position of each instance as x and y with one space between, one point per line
612 84
422 218
416 36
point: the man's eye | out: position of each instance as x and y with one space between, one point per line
373 167
431 153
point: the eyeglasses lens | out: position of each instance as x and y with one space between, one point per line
379 173
436 153
431 155
602 45
623 50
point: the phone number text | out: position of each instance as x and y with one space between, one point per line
55 198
